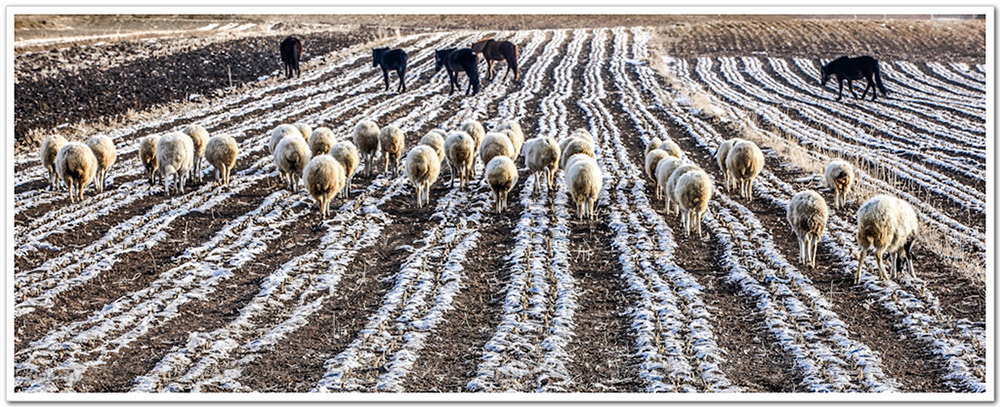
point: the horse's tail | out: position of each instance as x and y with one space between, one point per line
878 81
297 54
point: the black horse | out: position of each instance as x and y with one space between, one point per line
494 50
291 52
457 60
395 59
851 69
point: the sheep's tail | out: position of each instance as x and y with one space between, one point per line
878 81
293 156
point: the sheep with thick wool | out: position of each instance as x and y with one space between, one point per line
291 157
584 180
495 144
513 131
324 178
541 156
744 162
664 169
807 214
279 133
391 140
367 141
347 155
671 185
76 166
106 154
47 155
221 152
199 137
582 133
147 156
422 168
321 141
175 156
475 130
461 151
652 159
721 154
887 225
501 175
839 176
652 145
671 148
305 130
692 193
573 146
434 139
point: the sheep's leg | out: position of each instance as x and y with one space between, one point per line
699 223
878 260
861 262
815 243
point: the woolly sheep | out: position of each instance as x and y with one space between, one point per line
720 156
366 140
653 145
422 168
744 162
839 176
652 159
391 140
50 148
461 151
501 175
347 155
541 154
76 165
199 137
886 224
324 178
221 152
575 146
664 169
692 192
671 185
582 133
106 154
671 148
573 137
305 130
321 141
807 214
584 179
175 156
515 134
495 144
475 130
279 133
580 157
434 139
291 157
147 155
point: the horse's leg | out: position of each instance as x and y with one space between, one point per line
489 70
451 81
401 73
840 89
871 84
868 85
850 86
385 78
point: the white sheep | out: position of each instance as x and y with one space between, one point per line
501 175
305 130
807 214
291 157
347 155
321 141
671 148
475 130
324 178
106 154
516 135
175 156
493 145
147 156
671 185
461 151
652 145
584 180
50 148
692 193
581 157
279 133
541 155
573 137
582 133
434 139
221 152
573 146
744 162
720 156
839 176
199 137
664 169
652 159
366 140
391 140
422 168
76 165
886 224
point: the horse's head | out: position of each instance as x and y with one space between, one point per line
377 55
439 58
478 46
826 74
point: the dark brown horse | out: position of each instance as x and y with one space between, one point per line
291 53
494 50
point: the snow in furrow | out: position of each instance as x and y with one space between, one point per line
969 74
966 86
909 76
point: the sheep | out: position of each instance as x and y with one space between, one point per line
671 185
106 154
291 157
720 156
807 214
321 141
461 151
475 130
50 148
744 162
147 155
692 192
584 180
199 137
279 133
501 175
839 176
886 224
422 168
367 141
347 155
305 130
434 139
585 137
76 165
652 145
391 140
580 157
542 154
324 178
582 133
493 145
515 134
664 169
652 159
575 146
221 152
671 148
174 156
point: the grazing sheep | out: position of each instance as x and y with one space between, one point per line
664 169
574 146
839 176
76 165
305 130
366 140
493 145
50 148
422 168
886 224
221 152
279 133
391 140
461 151
671 148
106 154
653 145
807 214
744 162
652 159
199 137
580 157
475 130
147 155
291 157
501 175
434 139
321 141
175 156
671 185
347 155
516 135
720 156
582 133
692 192
324 178
541 154
584 180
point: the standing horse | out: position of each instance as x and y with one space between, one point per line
494 50
458 60
291 52
395 59
851 69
